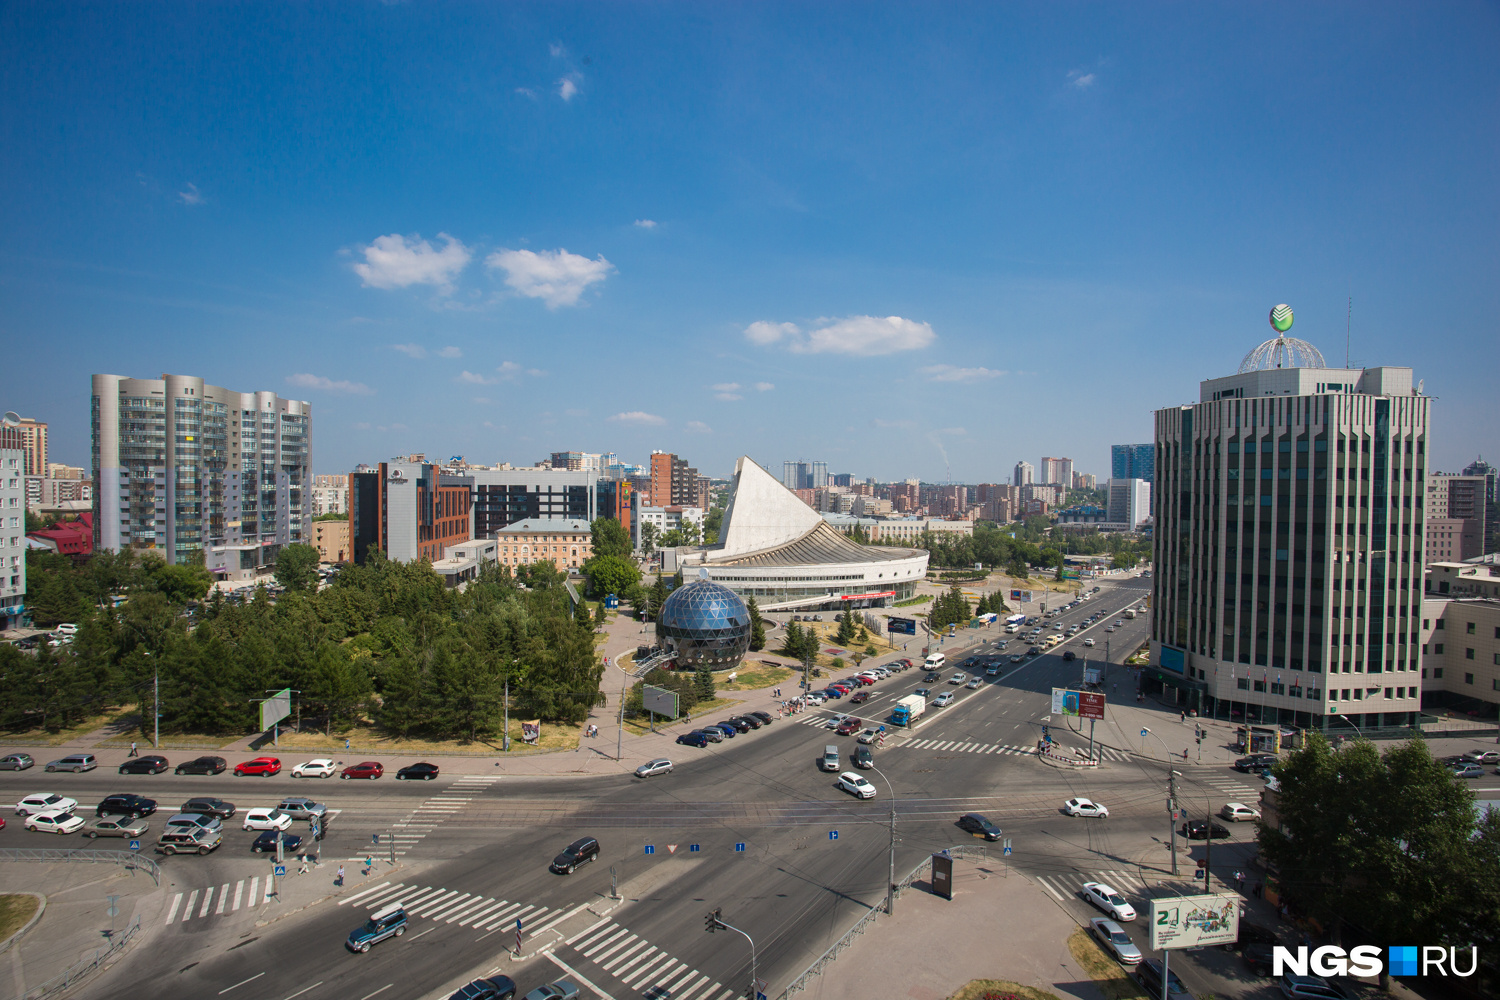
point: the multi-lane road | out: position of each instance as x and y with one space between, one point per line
474 851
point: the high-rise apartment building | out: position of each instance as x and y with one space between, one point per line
34 446
1132 461
409 510
184 468
1024 474
1085 481
673 481
12 526
504 496
1458 512
800 475
1129 503
1288 542
1057 470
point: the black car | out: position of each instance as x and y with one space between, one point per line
493 988
145 765
209 807
579 852
932 677
1069 656
978 826
125 804
863 758
749 720
202 765
693 740
1148 974
266 842
418 772
735 724
1202 829
1254 762
1258 956
764 717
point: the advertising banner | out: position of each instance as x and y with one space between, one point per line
1064 702
531 731
904 626
275 708
1090 705
1194 921
659 700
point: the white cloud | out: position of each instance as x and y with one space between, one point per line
526 92
567 87
1080 79
646 223
728 397
508 370
394 262
764 386
763 333
306 381
893 424
410 350
557 49
639 417
192 196
951 373
361 426
450 352
535 372
699 427
474 378
865 336
726 387
556 277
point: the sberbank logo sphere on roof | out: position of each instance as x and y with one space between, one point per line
1281 318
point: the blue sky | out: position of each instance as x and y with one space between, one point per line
901 239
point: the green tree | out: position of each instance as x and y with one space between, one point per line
711 525
297 568
649 536
610 538
339 683
757 627
601 617
659 594
611 574
845 634
704 683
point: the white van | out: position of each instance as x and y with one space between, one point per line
1012 629
936 661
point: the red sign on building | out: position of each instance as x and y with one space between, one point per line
1090 705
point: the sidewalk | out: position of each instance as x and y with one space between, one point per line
997 926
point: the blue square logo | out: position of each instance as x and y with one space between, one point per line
1402 960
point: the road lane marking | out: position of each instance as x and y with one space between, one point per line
187 912
377 993
427 931
557 920
176 901
239 893
223 898
304 989
572 972
241 983
254 890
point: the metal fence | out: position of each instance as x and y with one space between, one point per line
868 917
125 859
73 973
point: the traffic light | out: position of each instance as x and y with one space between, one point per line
712 921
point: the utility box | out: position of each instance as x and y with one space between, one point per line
942 875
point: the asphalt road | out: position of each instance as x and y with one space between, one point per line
483 849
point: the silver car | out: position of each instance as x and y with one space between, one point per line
301 807
659 766
110 825
16 762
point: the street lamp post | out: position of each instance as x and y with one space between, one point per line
890 885
715 922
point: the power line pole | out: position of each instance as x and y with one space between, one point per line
1172 816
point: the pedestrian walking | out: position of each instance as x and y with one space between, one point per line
302 868
369 863
339 878
133 751
1184 717
1184 753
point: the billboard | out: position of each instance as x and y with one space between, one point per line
1194 921
905 626
1021 595
659 700
275 708
1091 705
1077 704
1064 702
1172 659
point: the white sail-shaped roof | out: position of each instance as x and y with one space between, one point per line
762 513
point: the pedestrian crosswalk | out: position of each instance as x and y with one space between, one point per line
640 965
217 900
1067 886
422 820
1234 788
451 906
966 746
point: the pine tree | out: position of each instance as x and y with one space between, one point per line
599 615
703 683
845 633
757 627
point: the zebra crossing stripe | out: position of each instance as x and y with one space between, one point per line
586 931
176 902
223 898
690 975
422 896
208 899
622 956
451 905
621 943
500 916
505 917
431 902
364 892
239 892
610 939
475 915
1048 886
651 970
254 890
620 972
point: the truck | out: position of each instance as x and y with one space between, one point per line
1130 612
908 710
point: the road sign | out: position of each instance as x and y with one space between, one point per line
1145 733
740 847
1007 850
135 845
693 848
833 835
281 871
1194 921
113 909
650 849
671 848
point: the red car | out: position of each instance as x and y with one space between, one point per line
263 766
365 769
848 727
864 681
860 698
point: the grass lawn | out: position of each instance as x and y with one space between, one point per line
923 599
118 716
15 910
750 678
1106 973
1000 989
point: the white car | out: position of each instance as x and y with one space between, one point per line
1105 898
267 819
869 736
958 678
974 683
815 699
38 802
659 766
320 767
1085 807
66 628
943 700
1114 939
1088 642
1016 658
1239 812
856 786
54 821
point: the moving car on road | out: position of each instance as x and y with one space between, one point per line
185 840
1114 939
217 808
266 819
76 763
318 767
388 921
364 769
579 852
978 826
1105 898
39 802
658 766
16 762
1085 807
420 771
560 990
202 765
869 736
125 804
493 988
193 821
290 842
1148 974
958 678
302 807
54 821
1254 762
1238 812
943 700
263 766
116 826
1201 829
856 785
863 758
848 727
1089 641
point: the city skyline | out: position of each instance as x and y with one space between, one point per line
580 229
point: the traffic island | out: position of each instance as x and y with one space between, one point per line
1000 989
1108 975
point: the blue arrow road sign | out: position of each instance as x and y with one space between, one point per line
135 845
740 847
281 871
833 835
692 848
650 849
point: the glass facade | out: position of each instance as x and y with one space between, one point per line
704 623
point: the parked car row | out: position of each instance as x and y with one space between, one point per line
728 729
265 767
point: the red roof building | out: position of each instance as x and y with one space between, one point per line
68 538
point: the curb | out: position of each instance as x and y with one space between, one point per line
41 908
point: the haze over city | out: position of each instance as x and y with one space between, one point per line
923 241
